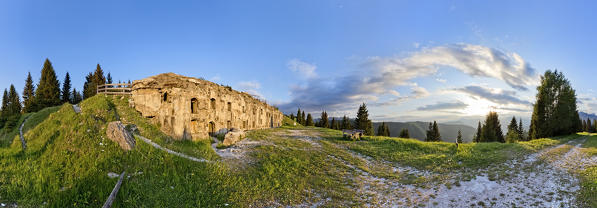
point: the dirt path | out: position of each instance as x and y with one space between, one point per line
23 143
543 179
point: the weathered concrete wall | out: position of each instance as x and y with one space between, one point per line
190 108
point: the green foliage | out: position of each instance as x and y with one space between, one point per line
29 95
492 129
309 121
48 89
76 96
404 134
555 111
66 96
383 130
362 121
513 134
433 134
345 123
479 133
324 122
459 137
588 192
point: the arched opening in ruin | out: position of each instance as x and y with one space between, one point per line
229 106
271 122
212 103
165 97
194 105
228 125
212 128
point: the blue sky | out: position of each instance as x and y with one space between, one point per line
408 60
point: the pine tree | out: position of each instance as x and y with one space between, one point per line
98 76
383 130
76 96
14 102
309 121
404 133
362 121
433 134
89 88
589 126
555 111
66 89
333 125
109 79
492 129
292 116
5 102
48 89
29 95
478 134
324 120
521 131
513 131
584 126
303 120
346 123
594 125
459 137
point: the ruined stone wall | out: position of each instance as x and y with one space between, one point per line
190 108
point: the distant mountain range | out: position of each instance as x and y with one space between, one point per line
584 116
418 130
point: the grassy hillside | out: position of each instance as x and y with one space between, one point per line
68 159
418 130
7 135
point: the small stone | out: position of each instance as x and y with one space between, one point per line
233 137
117 133
113 175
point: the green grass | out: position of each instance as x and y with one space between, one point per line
588 192
69 156
7 135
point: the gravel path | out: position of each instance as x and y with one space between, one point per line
23 143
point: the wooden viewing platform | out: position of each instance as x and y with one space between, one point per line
114 89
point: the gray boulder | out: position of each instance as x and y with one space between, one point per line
119 134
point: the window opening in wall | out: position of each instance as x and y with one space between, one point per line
229 106
194 105
212 103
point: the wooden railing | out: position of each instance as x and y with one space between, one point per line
114 89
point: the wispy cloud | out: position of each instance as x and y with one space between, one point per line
495 95
379 76
443 106
251 87
307 70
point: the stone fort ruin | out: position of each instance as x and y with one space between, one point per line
191 108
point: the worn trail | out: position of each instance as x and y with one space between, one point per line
171 151
23 143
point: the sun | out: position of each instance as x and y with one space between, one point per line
477 107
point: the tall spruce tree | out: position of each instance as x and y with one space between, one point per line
346 123
303 119
513 131
309 121
324 122
555 111
109 78
89 88
29 95
48 89
76 96
333 124
492 129
362 121
589 126
478 135
433 134
584 126
404 133
14 105
5 102
459 137
521 131
383 130
66 89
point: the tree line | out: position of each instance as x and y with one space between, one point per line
47 92
361 122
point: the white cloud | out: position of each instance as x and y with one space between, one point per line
441 80
379 76
305 69
251 87
496 95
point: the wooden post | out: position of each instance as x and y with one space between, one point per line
112 196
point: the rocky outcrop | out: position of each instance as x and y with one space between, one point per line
118 133
233 136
